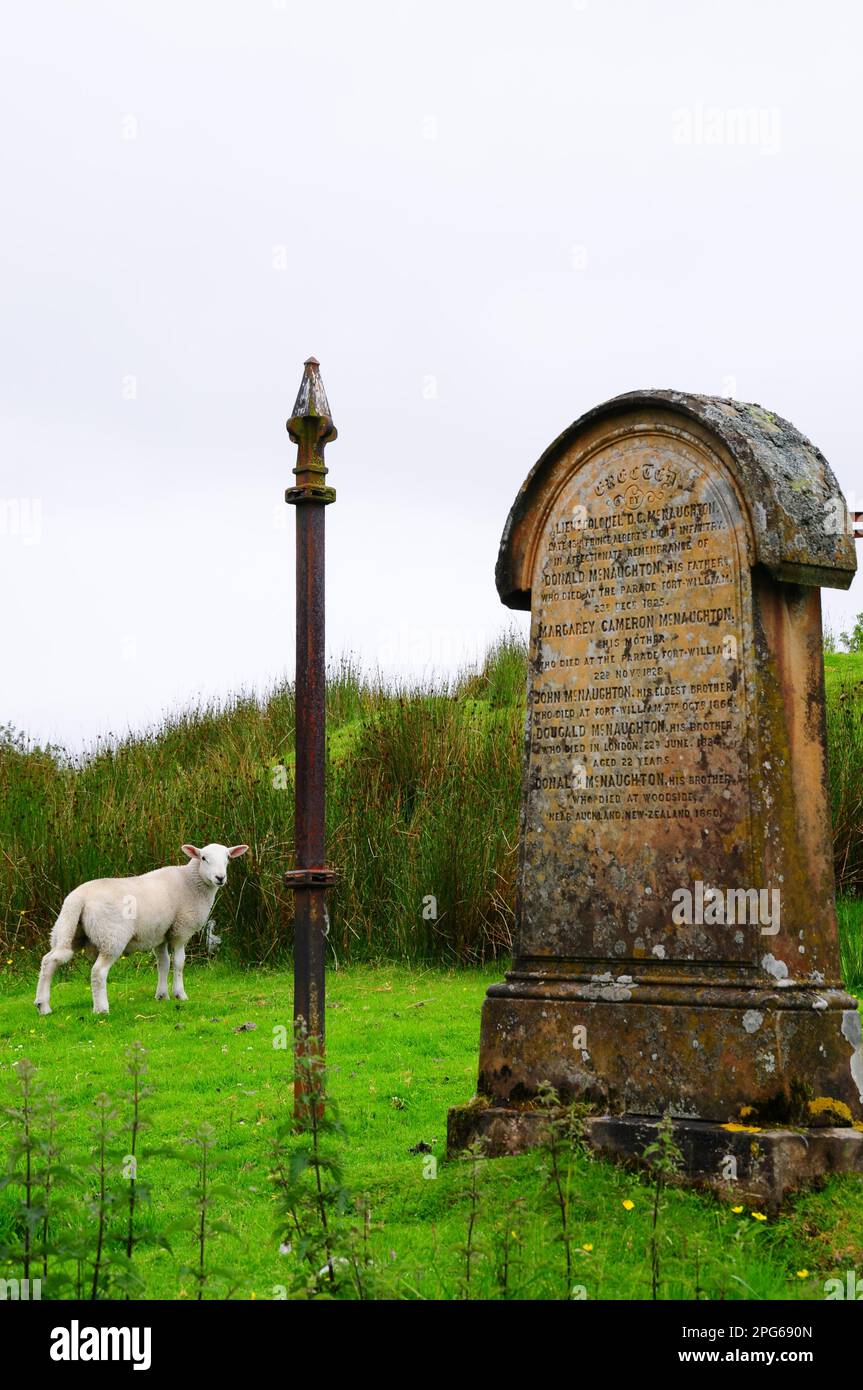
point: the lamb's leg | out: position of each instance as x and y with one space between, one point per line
59 956
162 960
98 981
179 962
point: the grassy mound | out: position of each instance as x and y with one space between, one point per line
422 810
423 795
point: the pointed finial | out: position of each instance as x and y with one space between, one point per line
311 402
311 428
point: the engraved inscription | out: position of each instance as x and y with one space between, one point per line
637 762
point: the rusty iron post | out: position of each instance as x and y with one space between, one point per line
310 428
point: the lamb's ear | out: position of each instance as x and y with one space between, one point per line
236 851
191 851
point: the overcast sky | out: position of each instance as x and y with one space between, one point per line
482 217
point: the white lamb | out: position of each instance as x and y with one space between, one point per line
111 917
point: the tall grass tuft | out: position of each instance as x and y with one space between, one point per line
850 913
845 754
423 785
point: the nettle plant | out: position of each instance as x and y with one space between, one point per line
323 1228
204 1222
35 1174
72 1221
666 1160
562 1143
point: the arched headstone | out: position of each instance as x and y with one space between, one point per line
677 943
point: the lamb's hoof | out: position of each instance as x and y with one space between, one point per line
181 998
100 1011
161 994
43 1009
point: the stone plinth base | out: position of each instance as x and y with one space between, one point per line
644 1046
769 1163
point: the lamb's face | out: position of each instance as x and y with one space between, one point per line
213 865
212 861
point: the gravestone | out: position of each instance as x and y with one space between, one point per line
676 937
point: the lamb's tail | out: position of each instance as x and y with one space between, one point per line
65 929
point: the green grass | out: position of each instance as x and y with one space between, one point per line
402 1048
841 668
850 913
